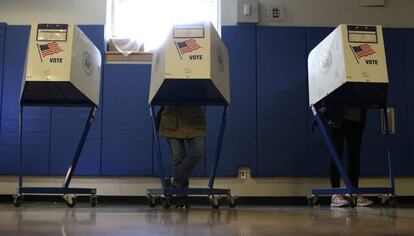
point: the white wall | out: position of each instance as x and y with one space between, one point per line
396 13
24 12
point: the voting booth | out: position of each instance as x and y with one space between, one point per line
62 68
191 67
348 69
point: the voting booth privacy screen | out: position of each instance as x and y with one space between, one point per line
191 67
349 68
62 67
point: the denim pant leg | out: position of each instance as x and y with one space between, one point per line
177 149
185 164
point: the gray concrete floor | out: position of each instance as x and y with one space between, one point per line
57 219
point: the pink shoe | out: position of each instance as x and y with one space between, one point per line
363 201
338 200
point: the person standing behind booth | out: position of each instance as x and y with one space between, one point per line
185 129
346 125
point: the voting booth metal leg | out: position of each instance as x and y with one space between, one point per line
165 193
218 148
20 146
70 200
158 148
349 189
79 148
387 139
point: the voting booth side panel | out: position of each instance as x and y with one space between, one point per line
326 67
157 72
220 65
86 66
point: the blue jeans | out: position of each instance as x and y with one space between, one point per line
185 161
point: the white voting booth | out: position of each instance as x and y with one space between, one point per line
348 69
190 68
63 68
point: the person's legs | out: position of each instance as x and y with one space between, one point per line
337 137
177 149
184 163
194 154
353 137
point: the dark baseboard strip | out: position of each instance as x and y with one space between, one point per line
246 201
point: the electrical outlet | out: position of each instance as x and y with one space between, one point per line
243 174
275 13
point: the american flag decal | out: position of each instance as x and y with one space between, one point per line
362 50
49 49
188 46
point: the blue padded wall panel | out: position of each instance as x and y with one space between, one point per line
409 68
318 157
96 33
66 128
35 138
373 153
239 143
2 41
67 125
126 126
282 111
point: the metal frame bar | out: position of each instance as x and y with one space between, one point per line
189 191
349 189
56 190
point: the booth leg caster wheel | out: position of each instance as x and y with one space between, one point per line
312 200
17 199
70 200
388 200
94 200
214 202
165 202
152 201
182 202
231 201
393 200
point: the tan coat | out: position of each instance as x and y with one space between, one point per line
183 122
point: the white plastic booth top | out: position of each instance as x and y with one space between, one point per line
190 68
62 67
349 69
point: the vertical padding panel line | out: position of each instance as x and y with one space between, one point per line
282 101
318 155
2 42
36 119
409 70
239 140
126 131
